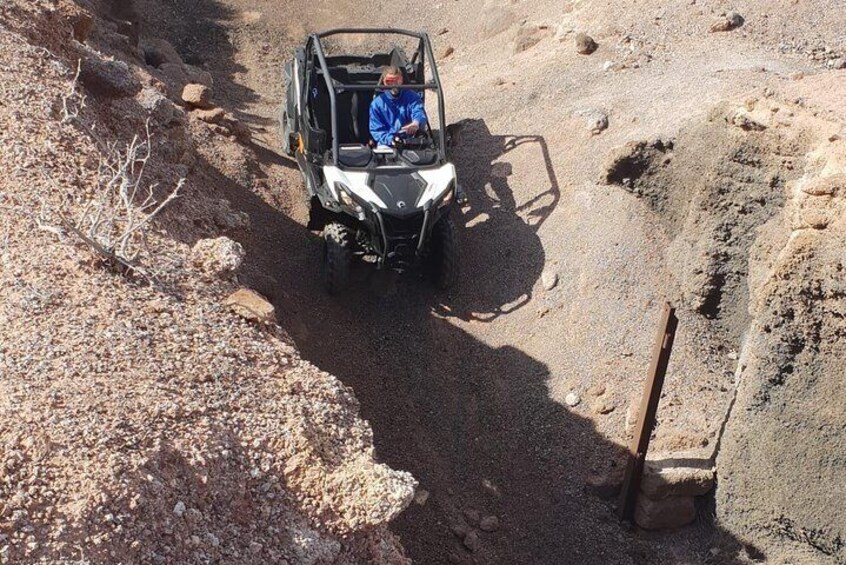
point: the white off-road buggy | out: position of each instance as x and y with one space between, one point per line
390 203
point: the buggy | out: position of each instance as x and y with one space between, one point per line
391 204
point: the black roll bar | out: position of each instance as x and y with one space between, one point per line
334 87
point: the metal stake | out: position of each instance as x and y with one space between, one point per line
648 408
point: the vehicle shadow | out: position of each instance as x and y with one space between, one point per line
502 255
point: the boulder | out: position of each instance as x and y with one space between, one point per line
198 96
160 109
108 78
252 306
177 75
217 257
664 514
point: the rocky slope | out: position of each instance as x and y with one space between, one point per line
141 420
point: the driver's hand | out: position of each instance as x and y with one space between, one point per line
411 128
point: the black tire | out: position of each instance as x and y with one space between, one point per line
338 242
441 262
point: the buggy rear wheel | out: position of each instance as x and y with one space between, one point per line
441 262
338 241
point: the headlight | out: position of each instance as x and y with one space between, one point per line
346 198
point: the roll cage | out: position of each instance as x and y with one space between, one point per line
314 49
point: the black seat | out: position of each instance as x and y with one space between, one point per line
356 155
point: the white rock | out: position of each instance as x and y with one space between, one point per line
217 257
572 399
549 279
421 496
179 509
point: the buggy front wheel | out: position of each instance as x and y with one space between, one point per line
441 262
338 241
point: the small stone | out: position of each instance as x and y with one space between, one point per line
213 116
549 279
194 540
255 547
421 496
572 399
608 65
197 95
585 45
730 21
460 530
489 524
732 355
490 487
471 541
212 539
603 406
251 306
448 50
472 516
596 389
839 63
179 509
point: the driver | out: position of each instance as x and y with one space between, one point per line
395 114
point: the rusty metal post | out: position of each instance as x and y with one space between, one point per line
648 408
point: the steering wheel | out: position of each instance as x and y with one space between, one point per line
419 140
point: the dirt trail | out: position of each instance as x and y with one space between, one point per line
466 391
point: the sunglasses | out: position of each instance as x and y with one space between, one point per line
393 80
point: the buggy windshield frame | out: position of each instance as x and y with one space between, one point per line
334 86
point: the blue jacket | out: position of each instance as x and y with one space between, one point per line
388 113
